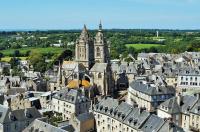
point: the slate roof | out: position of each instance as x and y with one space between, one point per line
73 96
121 111
196 108
106 105
153 123
40 125
19 115
173 106
99 67
150 89
137 118
85 116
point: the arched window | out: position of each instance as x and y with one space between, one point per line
75 76
98 53
99 75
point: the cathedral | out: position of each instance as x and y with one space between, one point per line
91 68
90 51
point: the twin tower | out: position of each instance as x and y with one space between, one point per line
92 50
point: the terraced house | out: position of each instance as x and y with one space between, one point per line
112 116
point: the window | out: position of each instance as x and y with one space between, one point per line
98 54
181 78
99 75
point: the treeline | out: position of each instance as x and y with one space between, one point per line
175 41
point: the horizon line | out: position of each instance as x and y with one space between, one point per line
78 29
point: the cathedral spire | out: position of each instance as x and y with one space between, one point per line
84 33
84 28
100 26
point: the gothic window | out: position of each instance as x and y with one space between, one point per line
99 75
98 52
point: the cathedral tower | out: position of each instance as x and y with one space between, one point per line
101 48
85 49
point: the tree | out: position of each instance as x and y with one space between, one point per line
14 62
16 71
37 60
1 55
6 71
16 53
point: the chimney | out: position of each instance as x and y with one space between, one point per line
179 99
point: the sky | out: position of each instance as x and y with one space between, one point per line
124 14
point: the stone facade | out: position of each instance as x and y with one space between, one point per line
89 51
70 102
17 120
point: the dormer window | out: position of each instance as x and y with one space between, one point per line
135 121
12 117
130 120
106 108
27 114
119 114
101 107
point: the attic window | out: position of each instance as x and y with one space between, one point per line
106 108
115 112
27 114
130 120
119 114
123 115
135 121
101 107
111 110
12 117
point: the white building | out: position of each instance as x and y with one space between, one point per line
70 102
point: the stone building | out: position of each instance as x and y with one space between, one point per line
70 102
100 74
188 81
113 116
101 47
148 95
92 62
83 122
183 111
17 120
25 100
85 49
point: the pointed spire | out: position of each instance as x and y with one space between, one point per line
85 28
100 26
84 33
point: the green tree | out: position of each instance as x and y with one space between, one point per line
14 62
6 71
37 60
16 53
1 55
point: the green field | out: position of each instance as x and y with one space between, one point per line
7 59
142 46
54 50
